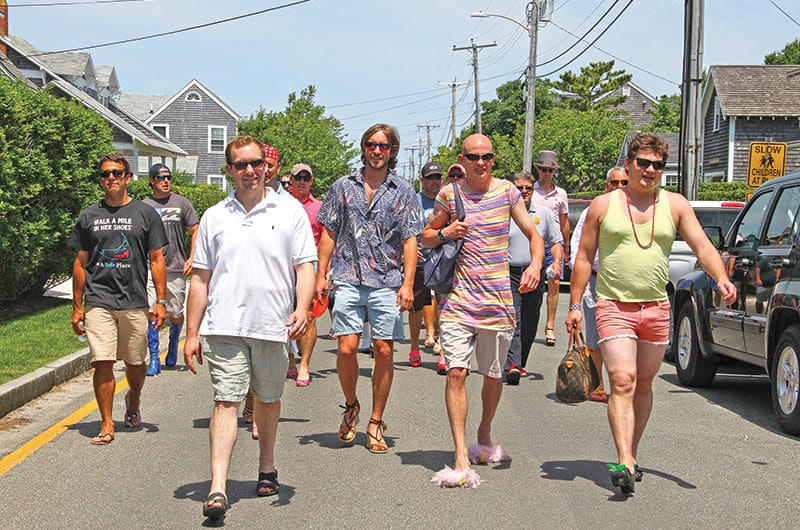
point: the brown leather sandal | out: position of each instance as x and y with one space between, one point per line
379 446
347 430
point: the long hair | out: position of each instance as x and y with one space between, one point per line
391 135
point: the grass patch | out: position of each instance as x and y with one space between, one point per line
34 333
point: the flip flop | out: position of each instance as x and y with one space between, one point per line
599 396
215 506
103 438
303 382
549 337
132 419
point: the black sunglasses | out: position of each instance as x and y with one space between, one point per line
242 165
433 177
472 157
644 163
616 182
302 176
286 183
525 188
107 173
455 176
382 145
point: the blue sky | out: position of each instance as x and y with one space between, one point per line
381 61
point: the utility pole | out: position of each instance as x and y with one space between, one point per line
475 47
453 87
428 127
530 101
413 173
689 155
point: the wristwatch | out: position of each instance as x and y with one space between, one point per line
162 302
440 234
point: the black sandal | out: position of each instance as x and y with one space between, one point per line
216 505
347 430
268 484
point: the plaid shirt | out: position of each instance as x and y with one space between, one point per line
369 237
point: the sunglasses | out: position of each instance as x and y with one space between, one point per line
472 157
455 176
107 173
242 165
644 163
163 177
302 176
382 145
433 177
546 169
286 183
525 188
616 182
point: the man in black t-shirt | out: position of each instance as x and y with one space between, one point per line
114 239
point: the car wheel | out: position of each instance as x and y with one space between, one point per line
693 369
785 380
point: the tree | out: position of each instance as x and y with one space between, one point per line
302 133
790 54
666 114
49 149
581 91
587 143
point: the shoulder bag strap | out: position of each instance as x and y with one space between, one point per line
460 212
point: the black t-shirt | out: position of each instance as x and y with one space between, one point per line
118 240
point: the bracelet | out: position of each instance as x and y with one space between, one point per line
162 302
574 307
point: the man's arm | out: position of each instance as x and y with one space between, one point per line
687 224
324 253
564 222
78 286
187 266
158 269
531 275
195 310
405 295
438 220
298 320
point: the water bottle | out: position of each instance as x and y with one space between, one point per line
588 299
550 273
82 337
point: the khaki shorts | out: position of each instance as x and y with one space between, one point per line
490 347
176 294
238 363
117 334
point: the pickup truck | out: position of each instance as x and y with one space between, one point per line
762 327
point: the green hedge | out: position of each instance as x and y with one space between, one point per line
706 191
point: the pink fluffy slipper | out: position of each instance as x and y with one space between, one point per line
450 478
487 454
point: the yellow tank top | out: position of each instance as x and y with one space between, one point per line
627 272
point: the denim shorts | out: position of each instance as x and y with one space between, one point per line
236 363
642 321
357 304
489 346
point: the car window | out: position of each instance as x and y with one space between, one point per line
783 222
747 234
714 216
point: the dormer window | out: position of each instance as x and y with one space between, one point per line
717 115
193 96
626 90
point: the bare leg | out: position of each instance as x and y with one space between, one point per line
490 397
455 396
429 314
648 363
306 344
552 301
266 416
104 386
597 359
347 366
136 375
619 356
414 326
382 376
222 436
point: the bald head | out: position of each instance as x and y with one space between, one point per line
477 156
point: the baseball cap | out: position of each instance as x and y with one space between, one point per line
297 168
431 168
155 169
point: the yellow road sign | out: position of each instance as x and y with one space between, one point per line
767 161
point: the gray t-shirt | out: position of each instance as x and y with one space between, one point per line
519 248
177 214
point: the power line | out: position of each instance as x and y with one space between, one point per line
784 12
58 4
584 35
208 24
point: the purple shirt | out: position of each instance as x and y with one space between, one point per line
368 249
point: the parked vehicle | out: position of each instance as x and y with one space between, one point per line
682 260
762 327
576 207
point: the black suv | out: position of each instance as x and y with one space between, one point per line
762 328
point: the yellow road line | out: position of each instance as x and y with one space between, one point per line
28 448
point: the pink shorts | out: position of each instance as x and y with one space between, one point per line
644 321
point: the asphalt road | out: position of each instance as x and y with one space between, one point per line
713 458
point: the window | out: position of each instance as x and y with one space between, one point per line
217 180
626 90
717 114
671 179
747 233
216 139
162 129
193 96
784 219
103 100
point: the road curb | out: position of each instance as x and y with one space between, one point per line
20 391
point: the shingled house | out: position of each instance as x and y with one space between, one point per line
744 104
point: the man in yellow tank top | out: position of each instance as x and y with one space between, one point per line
633 230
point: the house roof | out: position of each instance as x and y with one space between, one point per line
142 105
673 139
9 69
634 86
754 90
194 84
107 78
